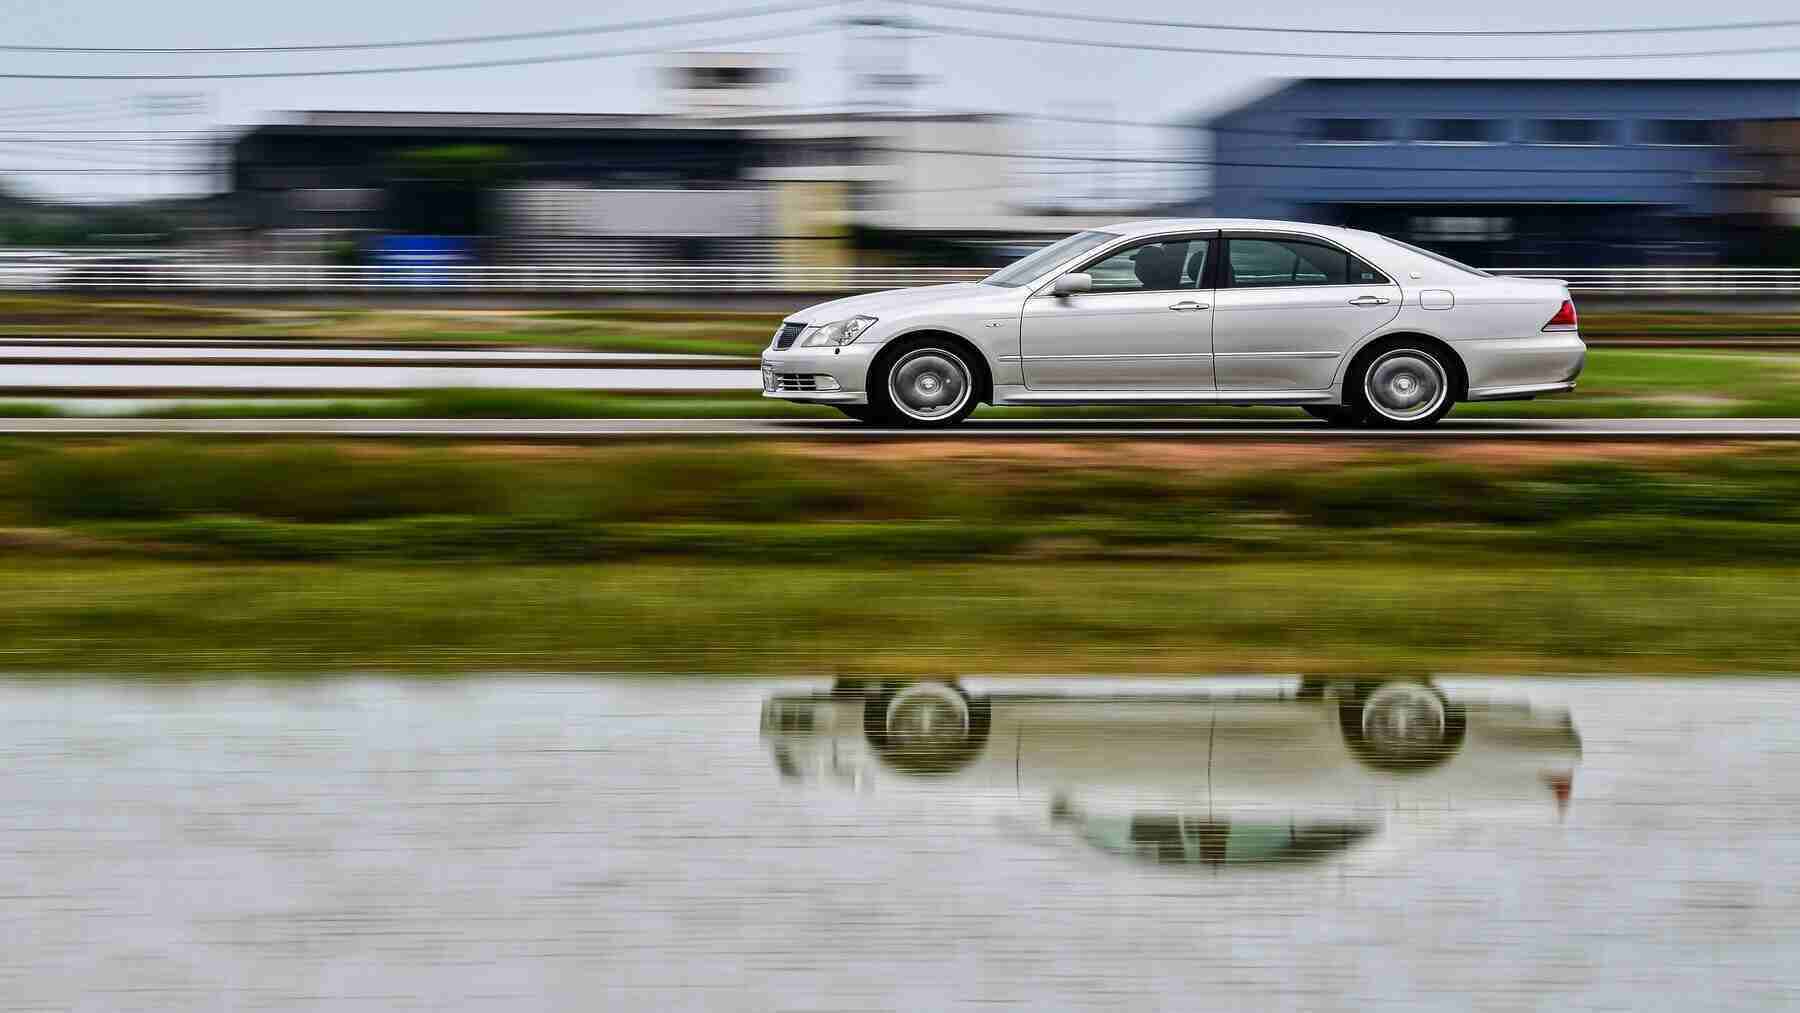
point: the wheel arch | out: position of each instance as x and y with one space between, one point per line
1353 363
984 370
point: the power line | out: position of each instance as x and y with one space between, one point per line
595 54
455 40
60 106
126 157
34 122
1153 47
164 141
108 172
1040 15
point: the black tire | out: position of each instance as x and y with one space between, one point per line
1414 756
935 757
940 383
1401 383
861 412
1343 416
851 688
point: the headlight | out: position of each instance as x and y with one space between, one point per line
836 334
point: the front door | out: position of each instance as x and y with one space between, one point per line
1288 309
1145 326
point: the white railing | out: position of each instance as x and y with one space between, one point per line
1667 280
491 277
745 278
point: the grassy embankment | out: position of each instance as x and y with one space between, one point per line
197 557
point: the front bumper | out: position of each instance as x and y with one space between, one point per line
818 375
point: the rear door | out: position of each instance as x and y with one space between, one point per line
1145 326
1289 307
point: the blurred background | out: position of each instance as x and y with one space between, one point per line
411 600
790 139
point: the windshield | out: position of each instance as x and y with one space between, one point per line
1028 267
1440 258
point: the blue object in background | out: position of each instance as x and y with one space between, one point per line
426 255
1501 172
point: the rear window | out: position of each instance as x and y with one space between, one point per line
1440 258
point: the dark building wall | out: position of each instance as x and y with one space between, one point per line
1524 170
269 164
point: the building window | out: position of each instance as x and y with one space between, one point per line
1340 130
727 77
1458 132
1571 132
1682 133
335 199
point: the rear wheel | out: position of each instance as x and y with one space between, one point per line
1400 725
1404 385
924 383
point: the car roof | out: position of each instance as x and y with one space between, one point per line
1152 226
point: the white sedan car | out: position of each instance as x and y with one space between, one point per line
1353 327
1211 776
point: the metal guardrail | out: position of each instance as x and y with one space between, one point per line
488 278
747 278
1667 280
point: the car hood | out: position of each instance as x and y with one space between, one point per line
878 304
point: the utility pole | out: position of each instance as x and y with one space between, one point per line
160 104
888 82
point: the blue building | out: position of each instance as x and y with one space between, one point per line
1504 171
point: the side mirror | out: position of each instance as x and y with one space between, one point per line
1072 284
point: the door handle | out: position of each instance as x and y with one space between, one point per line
1368 300
1189 306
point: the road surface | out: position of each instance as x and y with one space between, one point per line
1195 429
562 843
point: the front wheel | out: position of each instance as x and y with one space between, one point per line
1404 385
926 728
924 384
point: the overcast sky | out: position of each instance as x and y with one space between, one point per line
963 73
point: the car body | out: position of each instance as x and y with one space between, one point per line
1352 326
1201 777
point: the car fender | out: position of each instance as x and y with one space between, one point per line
991 326
1403 324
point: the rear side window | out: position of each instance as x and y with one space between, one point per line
1268 263
1440 258
1362 274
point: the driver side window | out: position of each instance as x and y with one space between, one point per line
1161 265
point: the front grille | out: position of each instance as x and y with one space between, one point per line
803 382
784 338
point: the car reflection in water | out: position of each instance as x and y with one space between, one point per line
1204 777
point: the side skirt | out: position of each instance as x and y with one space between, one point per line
1013 394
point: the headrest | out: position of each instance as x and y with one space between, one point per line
1159 266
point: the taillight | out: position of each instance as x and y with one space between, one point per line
1564 320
